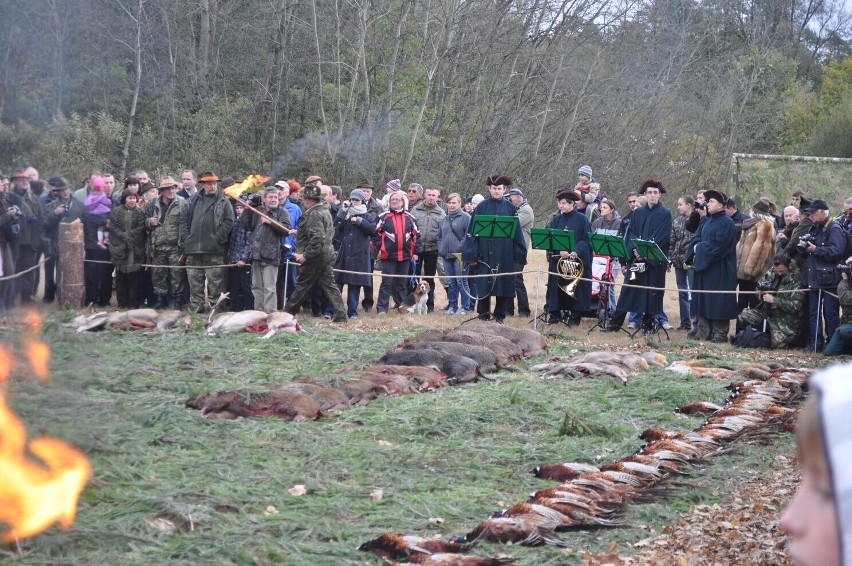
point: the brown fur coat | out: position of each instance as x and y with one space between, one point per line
755 248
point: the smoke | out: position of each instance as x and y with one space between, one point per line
355 154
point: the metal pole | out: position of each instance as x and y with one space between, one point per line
286 277
817 326
537 287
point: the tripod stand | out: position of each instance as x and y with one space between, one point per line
650 327
605 310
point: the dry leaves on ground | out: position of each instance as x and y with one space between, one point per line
743 530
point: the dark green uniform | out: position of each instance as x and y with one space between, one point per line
785 313
211 218
166 242
313 241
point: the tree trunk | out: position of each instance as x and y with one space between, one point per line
203 55
125 151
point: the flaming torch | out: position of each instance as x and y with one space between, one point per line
252 181
35 493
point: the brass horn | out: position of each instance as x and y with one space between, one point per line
570 269
637 267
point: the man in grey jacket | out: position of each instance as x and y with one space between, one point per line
428 216
265 250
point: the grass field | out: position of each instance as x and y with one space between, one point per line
172 487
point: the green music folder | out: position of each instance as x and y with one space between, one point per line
553 240
648 249
487 226
607 244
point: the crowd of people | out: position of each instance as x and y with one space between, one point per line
179 244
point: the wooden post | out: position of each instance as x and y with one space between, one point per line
70 282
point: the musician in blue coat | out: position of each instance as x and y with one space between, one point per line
712 254
650 222
501 254
560 305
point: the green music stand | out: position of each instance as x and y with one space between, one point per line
649 250
487 226
609 245
553 240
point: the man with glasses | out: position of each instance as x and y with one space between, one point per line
845 219
415 194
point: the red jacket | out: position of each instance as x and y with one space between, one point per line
396 236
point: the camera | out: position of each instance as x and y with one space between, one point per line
346 204
699 205
255 200
844 268
17 209
804 240
764 287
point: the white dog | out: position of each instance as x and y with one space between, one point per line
421 296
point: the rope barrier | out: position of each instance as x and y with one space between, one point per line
24 272
484 275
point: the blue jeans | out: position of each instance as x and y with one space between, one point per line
684 297
636 318
456 286
831 312
840 343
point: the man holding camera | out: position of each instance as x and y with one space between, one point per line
824 247
712 254
782 297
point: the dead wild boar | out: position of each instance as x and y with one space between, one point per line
459 369
358 391
530 341
425 378
328 398
486 358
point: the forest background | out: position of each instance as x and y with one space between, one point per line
441 92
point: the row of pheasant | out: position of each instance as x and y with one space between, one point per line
590 496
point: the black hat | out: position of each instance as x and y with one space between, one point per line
515 192
498 180
730 203
57 183
817 204
647 183
312 192
762 206
718 196
568 194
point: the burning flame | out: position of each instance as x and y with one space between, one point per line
247 184
34 494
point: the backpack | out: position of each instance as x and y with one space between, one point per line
751 337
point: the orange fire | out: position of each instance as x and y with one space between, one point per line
34 494
247 184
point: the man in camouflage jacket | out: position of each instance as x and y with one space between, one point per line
782 306
167 224
315 254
